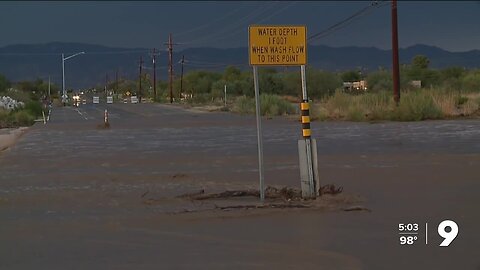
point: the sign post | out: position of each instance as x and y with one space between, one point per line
285 46
225 98
259 133
307 148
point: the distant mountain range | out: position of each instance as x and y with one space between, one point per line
28 62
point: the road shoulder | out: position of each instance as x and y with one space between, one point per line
8 136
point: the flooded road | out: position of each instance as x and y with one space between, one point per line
72 194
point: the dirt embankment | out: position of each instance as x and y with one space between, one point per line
8 136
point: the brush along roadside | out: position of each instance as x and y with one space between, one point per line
332 199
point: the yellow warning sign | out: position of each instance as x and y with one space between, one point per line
277 45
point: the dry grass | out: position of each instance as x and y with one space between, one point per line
414 106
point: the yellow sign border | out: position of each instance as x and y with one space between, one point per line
281 65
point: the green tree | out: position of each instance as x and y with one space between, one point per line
471 81
418 70
380 80
125 86
231 74
4 83
218 88
420 62
322 83
292 84
351 76
200 81
452 72
270 81
244 86
451 78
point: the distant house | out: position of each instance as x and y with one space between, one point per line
355 87
185 96
416 83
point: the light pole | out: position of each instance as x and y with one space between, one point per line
64 96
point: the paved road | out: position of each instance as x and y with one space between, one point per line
71 193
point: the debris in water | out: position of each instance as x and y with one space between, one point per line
179 175
356 208
330 189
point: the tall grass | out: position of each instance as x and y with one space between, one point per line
415 105
270 105
18 118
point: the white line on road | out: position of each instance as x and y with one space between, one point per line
86 118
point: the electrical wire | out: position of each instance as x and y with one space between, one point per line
347 21
87 52
235 25
242 29
228 15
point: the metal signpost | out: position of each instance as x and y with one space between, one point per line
285 46
225 98
259 133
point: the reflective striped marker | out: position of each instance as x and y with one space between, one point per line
305 108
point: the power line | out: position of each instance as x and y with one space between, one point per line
146 51
228 15
241 29
235 25
29 54
339 25
201 64
58 54
277 12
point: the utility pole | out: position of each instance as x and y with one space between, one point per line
170 66
116 81
49 94
106 83
140 80
181 77
154 76
395 68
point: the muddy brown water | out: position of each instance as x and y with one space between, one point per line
71 194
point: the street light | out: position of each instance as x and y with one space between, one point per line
64 96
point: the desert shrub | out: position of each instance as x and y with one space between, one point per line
270 105
4 118
23 118
415 106
34 108
274 105
244 105
18 95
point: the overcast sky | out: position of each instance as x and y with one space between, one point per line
451 25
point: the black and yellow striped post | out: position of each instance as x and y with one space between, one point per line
305 108
307 148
